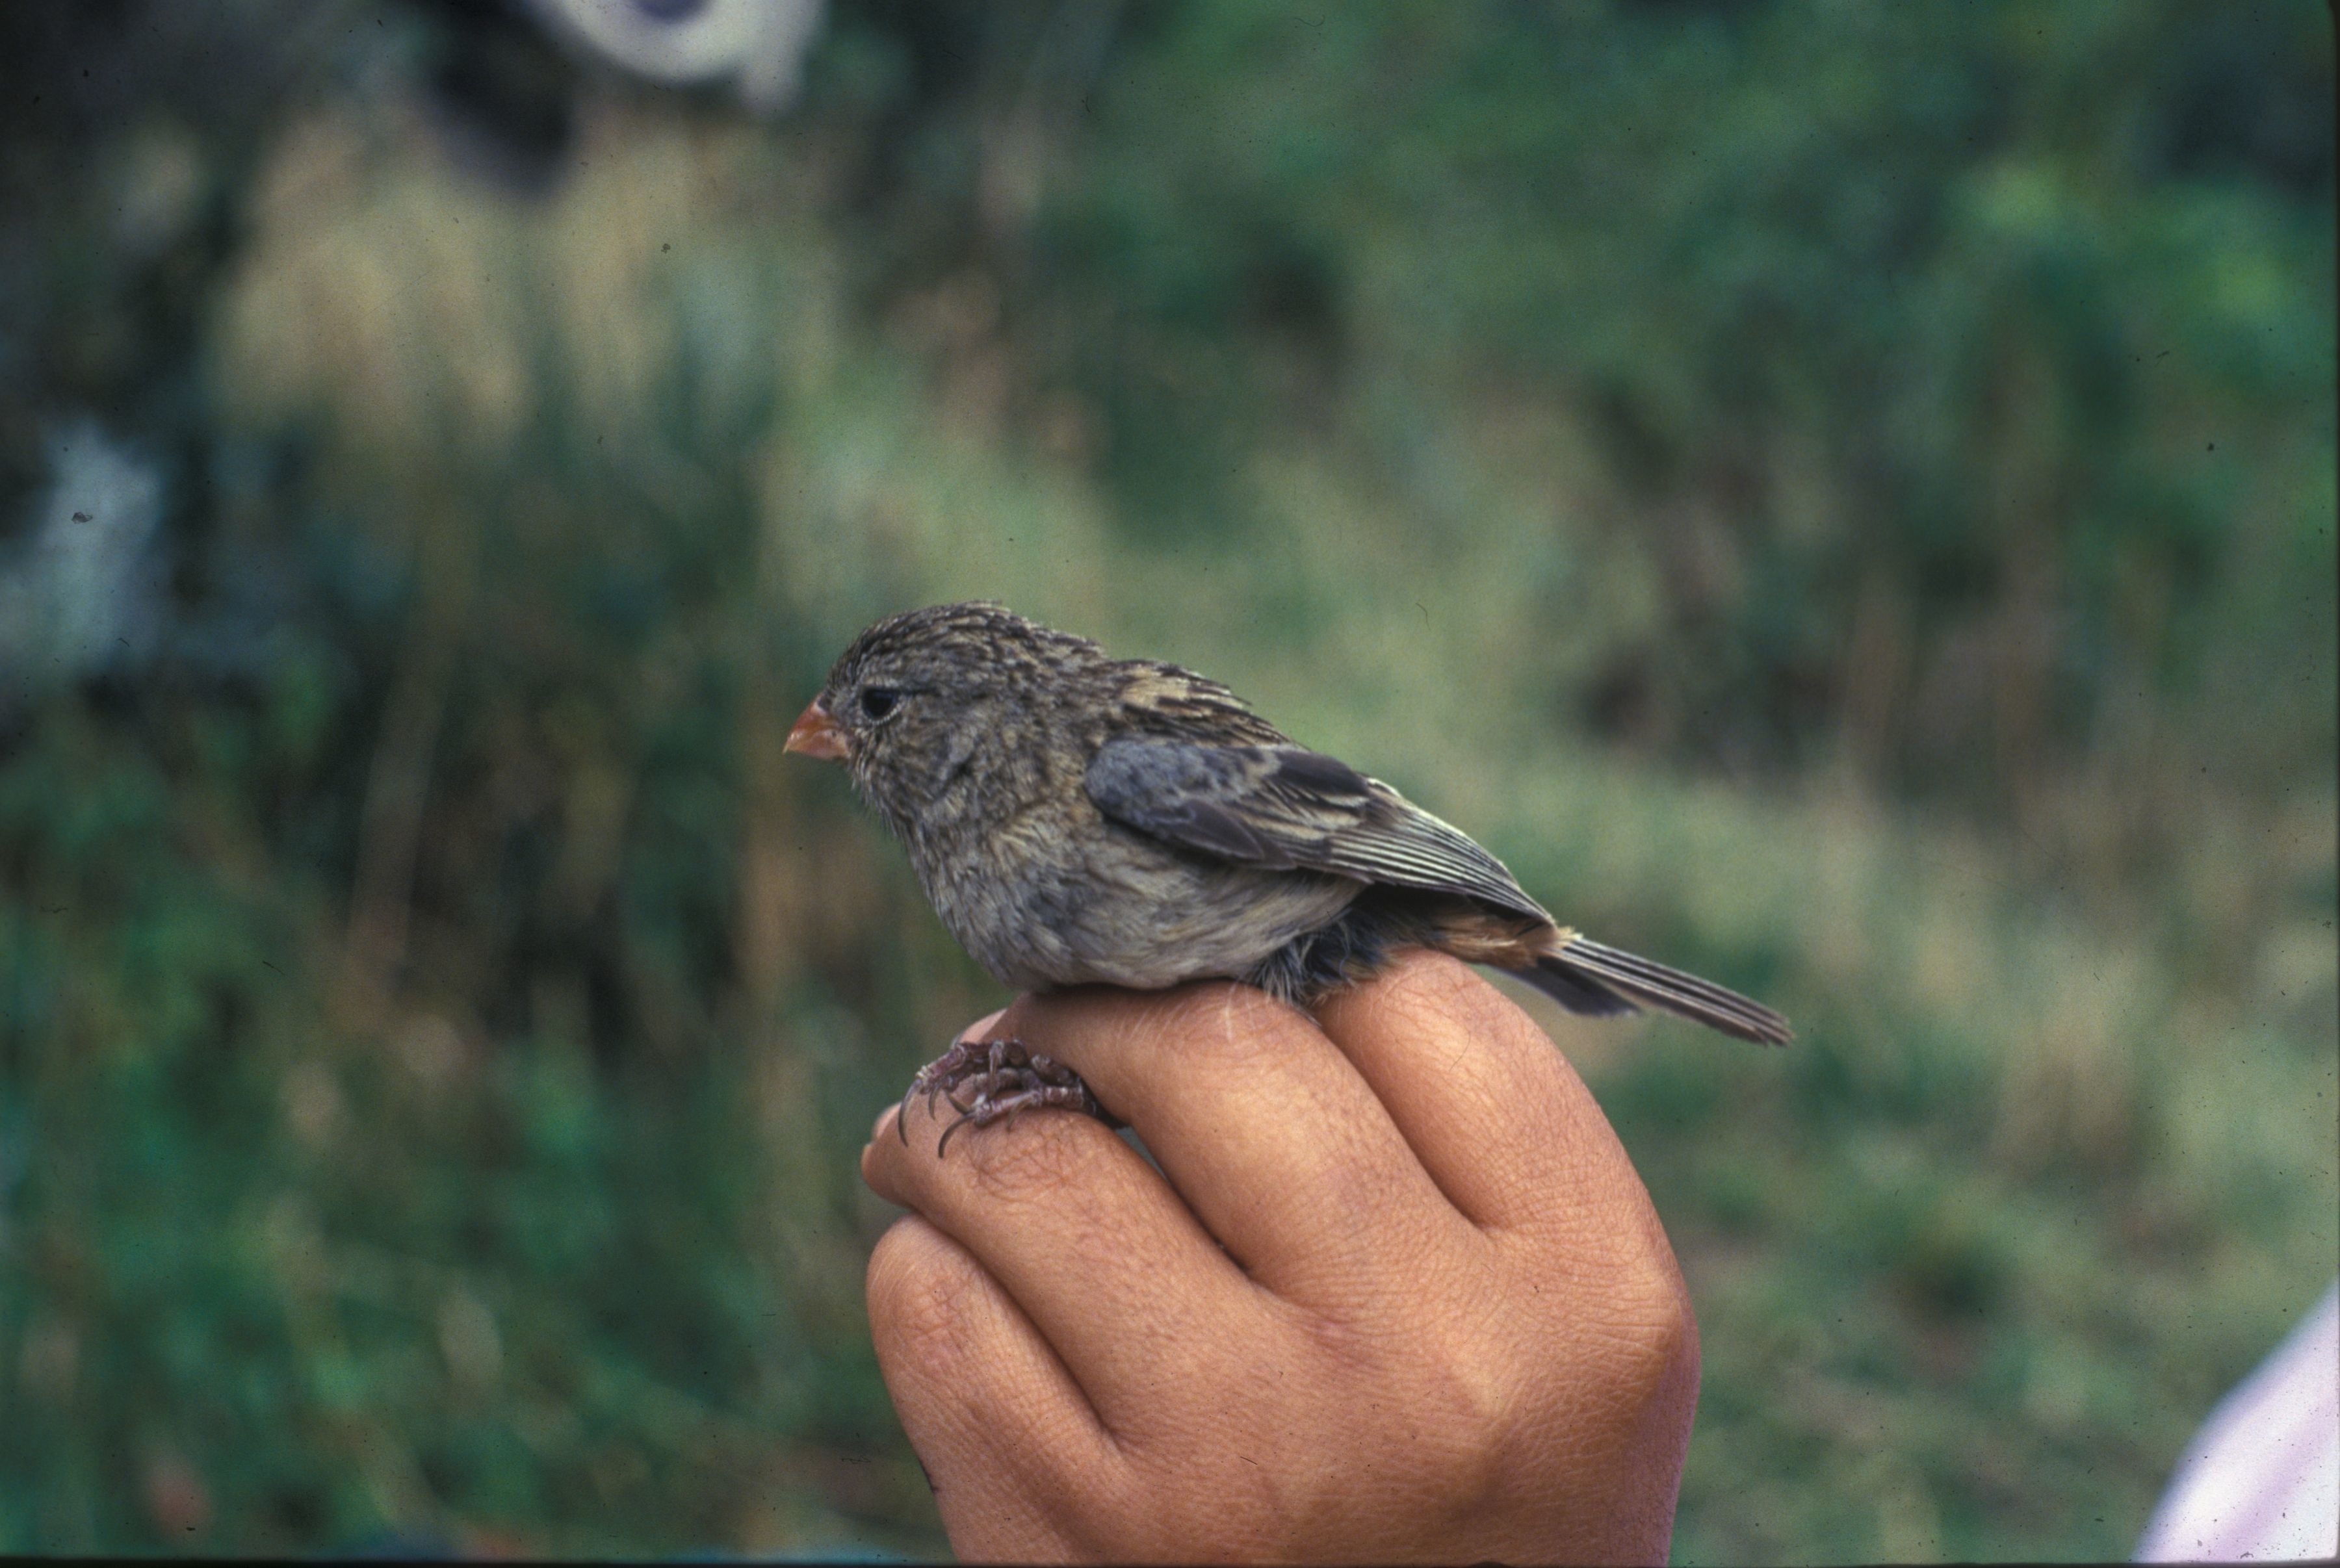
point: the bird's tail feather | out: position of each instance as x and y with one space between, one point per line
1585 977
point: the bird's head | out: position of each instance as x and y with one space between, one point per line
929 699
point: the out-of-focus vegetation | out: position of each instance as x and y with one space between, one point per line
1839 496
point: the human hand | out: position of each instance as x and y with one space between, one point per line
1400 1297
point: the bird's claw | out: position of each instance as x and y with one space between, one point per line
988 1080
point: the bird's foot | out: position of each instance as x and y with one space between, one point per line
987 1080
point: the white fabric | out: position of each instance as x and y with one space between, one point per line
759 45
2262 1480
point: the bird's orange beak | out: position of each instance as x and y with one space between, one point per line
816 735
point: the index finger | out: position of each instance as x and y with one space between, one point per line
1271 1137
1113 1271
1491 1107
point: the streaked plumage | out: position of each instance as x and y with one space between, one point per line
1078 818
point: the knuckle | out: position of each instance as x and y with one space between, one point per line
1464 1386
1126 1513
1429 989
1468 1386
1649 1286
1027 1155
1212 1023
1644 1335
920 1291
1660 1327
1426 974
1229 1023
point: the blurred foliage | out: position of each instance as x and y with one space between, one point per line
1840 496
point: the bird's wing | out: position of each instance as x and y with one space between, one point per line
1283 808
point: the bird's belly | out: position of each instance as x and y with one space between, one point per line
1136 915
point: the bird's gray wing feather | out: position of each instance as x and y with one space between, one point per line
1284 808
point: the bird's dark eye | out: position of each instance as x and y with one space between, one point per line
877 701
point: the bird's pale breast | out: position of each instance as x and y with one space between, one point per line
1042 907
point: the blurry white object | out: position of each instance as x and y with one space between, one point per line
84 596
2262 1481
759 45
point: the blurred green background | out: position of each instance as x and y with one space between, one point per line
1840 496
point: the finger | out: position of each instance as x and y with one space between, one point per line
1269 1134
1496 1115
1003 1430
1088 1240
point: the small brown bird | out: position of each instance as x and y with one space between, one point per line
1076 818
